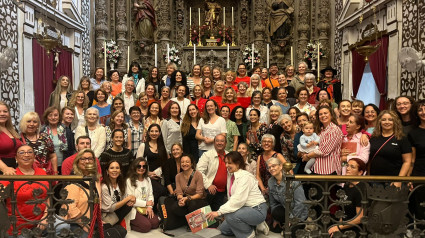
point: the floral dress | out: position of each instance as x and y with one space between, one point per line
255 139
43 148
287 144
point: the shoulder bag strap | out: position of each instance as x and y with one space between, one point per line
382 147
189 181
87 131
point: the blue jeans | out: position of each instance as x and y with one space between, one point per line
72 227
242 222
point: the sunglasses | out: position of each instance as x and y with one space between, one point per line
117 195
145 166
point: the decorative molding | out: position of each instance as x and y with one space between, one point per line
85 37
303 28
121 31
101 28
9 80
338 40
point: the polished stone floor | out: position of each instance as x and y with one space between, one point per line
181 232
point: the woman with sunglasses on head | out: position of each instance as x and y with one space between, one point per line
141 217
115 204
117 152
188 128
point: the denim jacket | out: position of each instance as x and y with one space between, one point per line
277 198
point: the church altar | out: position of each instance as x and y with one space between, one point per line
212 56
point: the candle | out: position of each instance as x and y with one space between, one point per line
228 56
252 56
318 61
128 57
168 53
156 55
199 17
233 23
224 16
194 54
292 56
190 16
104 56
268 58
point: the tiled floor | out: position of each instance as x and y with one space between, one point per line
181 232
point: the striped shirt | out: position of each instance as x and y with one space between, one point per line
329 151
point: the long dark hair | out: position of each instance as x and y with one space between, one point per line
419 104
120 180
132 171
169 110
150 79
187 120
173 78
318 124
412 112
162 152
159 111
233 113
130 72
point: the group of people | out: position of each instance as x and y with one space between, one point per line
170 136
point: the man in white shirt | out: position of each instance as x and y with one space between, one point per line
129 97
214 172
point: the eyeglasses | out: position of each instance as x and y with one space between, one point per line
87 159
30 152
145 166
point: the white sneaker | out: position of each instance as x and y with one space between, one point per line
252 234
263 227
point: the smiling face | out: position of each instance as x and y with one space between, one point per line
176 151
197 70
118 105
357 109
85 84
4 114
100 96
267 95
229 95
242 89
264 74
256 100
67 117
243 150
150 91
274 114
253 116
25 156
106 86
229 79
239 114
114 170
141 168
290 71
80 99
242 70
302 68
387 122
421 113
255 82
185 163
154 73
99 74
302 120
207 83
370 114
154 133
225 112
53 117
275 169
165 93
144 101
216 74
170 70
179 77
181 91
115 77
325 116
86 158
282 79
135 115
273 70
197 92
287 125
219 86
154 109
281 95
175 110
308 82
119 119
345 108
135 69
267 144
328 74
293 114
91 116
207 72
230 166
210 106
219 143
303 96
193 111
403 105
129 86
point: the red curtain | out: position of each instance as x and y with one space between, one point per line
43 77
358 69
64 66
378 66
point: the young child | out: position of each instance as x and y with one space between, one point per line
308 143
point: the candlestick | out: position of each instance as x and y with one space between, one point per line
128 57
233 21
199 17
156 55
224 16
104 56
190 16
268 56
168 53
318 61
199 27
194 55
252 57
292 56
228 57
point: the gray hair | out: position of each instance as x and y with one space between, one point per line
128 81
310 76
282 117
274 160
269 136
94 110
172 65
243 83
305 64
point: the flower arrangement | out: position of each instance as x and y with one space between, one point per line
223 34
310 53
174 56
112 51
195 34
247 57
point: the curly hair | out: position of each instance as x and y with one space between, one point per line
397 126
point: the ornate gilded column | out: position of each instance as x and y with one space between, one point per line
101 29
260 23
164 30
323 28
303 29
121 30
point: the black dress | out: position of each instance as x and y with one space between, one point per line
190 144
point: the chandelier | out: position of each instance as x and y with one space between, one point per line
47 36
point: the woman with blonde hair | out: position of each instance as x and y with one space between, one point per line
195 78
45 156
217 74
9 141
107 87
198 100
242 95
218 91
80 102
298 80
230 78
62 93
254 84
230 99
206 72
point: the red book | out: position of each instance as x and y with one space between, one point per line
352 146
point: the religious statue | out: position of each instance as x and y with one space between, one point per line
145 23
280 18
212 13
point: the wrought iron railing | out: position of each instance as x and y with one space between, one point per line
36 192
385 210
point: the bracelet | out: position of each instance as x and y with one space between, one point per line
338 228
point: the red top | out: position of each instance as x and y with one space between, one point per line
313 95
68 162
8 148
244 101
231 105
24 195
234 86
220 180
200 104
217 99
245 79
